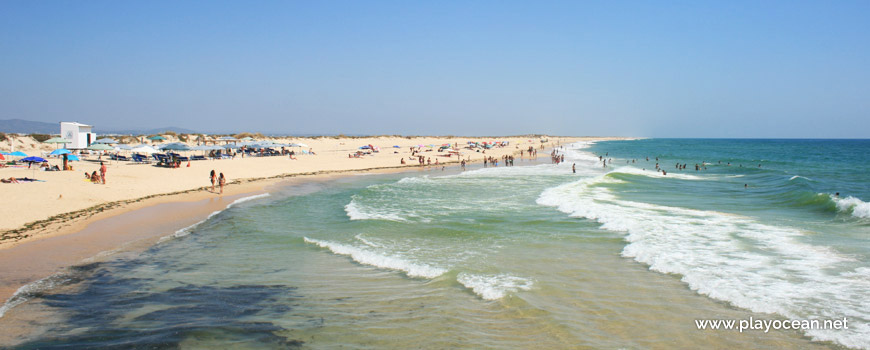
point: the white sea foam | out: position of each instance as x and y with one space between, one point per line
493 287
249 198
760 267
853 206
23 294
796 177
187 230
358 212
360 238
371 258
655 174
416 180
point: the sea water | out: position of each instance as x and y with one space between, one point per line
530 256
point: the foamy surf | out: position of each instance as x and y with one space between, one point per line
652 173
760 267
187 230
853 206
493 287
357 212
26 291
383 261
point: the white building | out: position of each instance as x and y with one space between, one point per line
79 135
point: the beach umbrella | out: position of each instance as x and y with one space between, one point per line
72 157
106 140
157 138
18 154
396 146
229 145
175 146
58 152
2 157
4 152
143 148
123 147
100 147
33 159
56 140
248 138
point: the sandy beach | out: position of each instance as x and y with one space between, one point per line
64 219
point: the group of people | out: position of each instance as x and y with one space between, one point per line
220 180
97 178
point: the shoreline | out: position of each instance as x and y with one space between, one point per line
67 239
72 243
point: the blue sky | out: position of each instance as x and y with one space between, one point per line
634 68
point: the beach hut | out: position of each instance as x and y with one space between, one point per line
77 135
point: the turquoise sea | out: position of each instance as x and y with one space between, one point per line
529 256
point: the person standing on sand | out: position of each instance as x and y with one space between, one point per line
222 181
103 172
212 177
574 168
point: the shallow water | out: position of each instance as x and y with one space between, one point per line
531 256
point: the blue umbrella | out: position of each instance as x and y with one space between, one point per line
72 157
33 160
396 146
176 146
59 152
18 154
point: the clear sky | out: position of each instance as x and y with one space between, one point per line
637 68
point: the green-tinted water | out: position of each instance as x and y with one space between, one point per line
531 256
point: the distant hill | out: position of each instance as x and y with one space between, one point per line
146 132
19 126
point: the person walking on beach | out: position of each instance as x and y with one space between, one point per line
103 172
212 178
574 168
222 181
